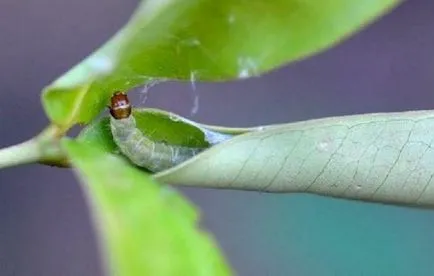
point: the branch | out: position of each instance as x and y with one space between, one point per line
43 148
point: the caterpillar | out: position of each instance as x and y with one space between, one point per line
140 149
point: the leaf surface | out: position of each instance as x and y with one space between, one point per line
385 157
145 228
203 40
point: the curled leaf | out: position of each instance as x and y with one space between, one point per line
385 158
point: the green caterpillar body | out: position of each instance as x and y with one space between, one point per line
142 151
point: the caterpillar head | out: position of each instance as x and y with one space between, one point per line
120 107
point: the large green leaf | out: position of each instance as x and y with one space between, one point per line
146 228
385 158
203 40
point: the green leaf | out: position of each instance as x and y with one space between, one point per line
145 228
387 158
203 40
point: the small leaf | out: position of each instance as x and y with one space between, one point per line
203 40
387 158
145 228
98 134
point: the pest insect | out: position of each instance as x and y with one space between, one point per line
140 149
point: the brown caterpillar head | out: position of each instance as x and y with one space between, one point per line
120 107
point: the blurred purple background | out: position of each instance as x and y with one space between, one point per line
44 223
